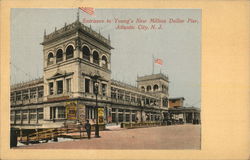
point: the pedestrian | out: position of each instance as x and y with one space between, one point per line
88 128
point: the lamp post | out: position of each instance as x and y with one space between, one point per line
95 78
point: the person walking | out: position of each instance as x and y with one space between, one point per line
88 128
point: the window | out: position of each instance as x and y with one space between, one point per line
113 93
69 52
59 87
120 94
120 117
164 88
96 57
104 62
127 117
86 53
18 117
25 94
127 97
18 96
132 98
87 81
40 113
40 91
104 89
52 112
61 112
24 117
50 59
68 82
148 88
32 116
142 88
156 87
147 101
59 56
33 93
51 88
12 97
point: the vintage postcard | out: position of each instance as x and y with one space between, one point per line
116 72
111 81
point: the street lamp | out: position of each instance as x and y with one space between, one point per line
96 84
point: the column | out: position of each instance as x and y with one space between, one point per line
29 94
37 114
54 87
56 113
116 94
64 86
14 117
78 48
36 93
21 116
28 116
192 116
130 116
14 98
91 85
116 115
184 117
124 116
150 116
21 95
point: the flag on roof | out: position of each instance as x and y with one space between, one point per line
159 61
88 10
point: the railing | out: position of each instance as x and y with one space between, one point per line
140 125
96 61
54 133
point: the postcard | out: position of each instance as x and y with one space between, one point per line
94 82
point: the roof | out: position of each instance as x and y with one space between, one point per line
27 84
184 109
77 25
177 98
152 77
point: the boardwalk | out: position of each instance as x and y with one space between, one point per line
164 137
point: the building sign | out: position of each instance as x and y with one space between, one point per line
58 98
71 110
100 115
81 112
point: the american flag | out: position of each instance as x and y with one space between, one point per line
159 61
88 10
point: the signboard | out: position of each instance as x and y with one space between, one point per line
100 115
81 112
71 110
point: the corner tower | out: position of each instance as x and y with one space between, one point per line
74 54
156 84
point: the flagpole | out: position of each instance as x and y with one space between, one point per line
153 68
78 14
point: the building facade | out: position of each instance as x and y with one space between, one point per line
77 78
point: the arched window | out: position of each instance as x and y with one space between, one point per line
50 58
142 88
104 62
86 53
164 88
59 55
148 88
96 57
69 52
156 87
